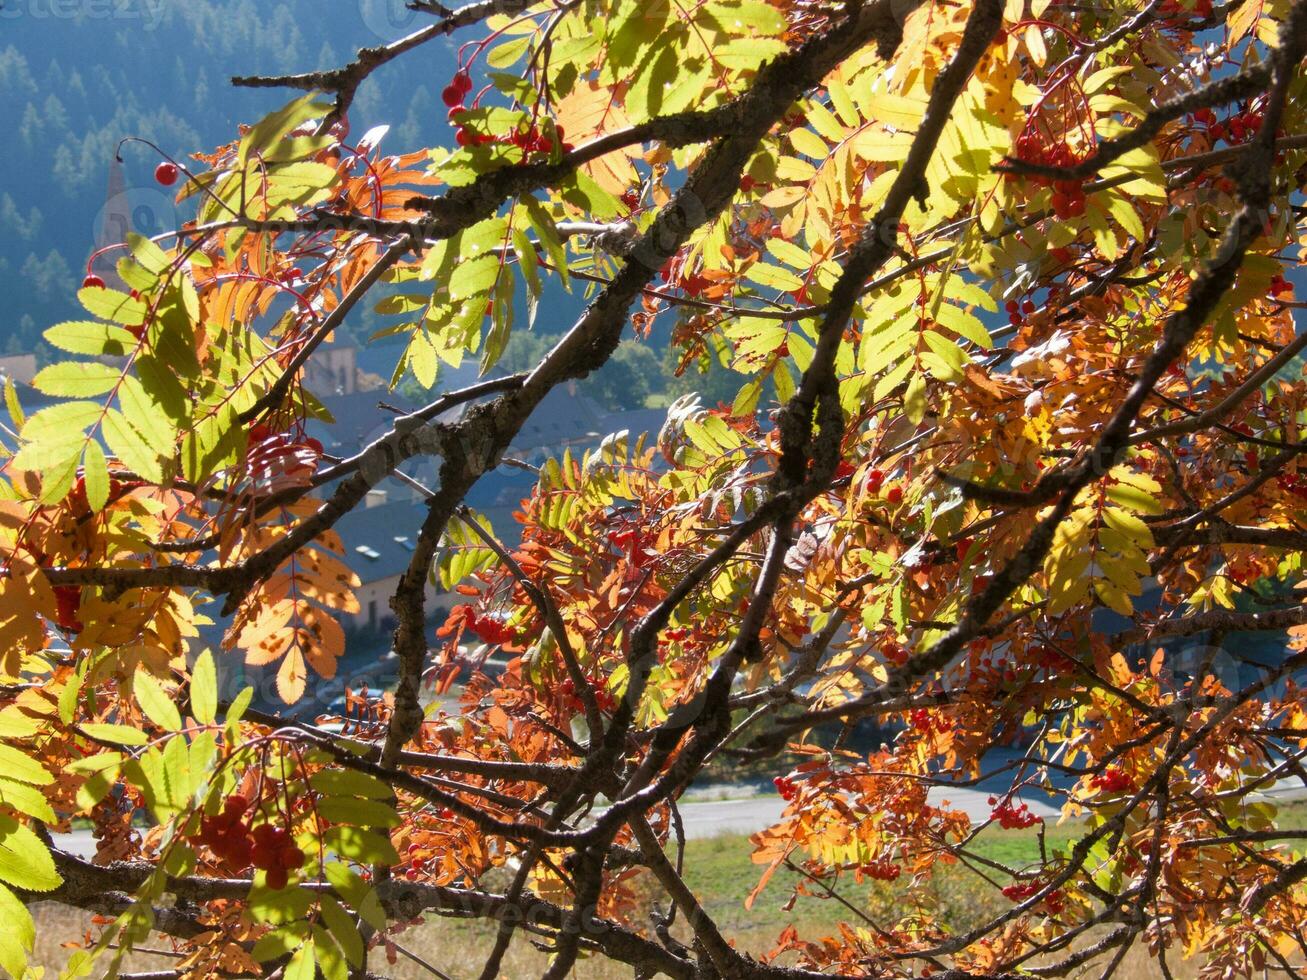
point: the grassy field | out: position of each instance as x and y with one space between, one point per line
719 871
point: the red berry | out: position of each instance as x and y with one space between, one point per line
874 479
291 857
166 173
236 805
451 95
894 495
92 281
277 878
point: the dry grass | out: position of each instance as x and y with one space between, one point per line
720 873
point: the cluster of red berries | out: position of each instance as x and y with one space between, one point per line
268 847
1112 780
1200 8
882 870
1012 817
895 653
631 198
604 698
530 140
487 628
787 787
923 721
1280 286
1018 892
1068 195
1293 483
1237 128
997 668
1016 311
457 90
875 481
1050 659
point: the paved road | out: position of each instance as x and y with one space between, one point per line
704 819
749 815
746 816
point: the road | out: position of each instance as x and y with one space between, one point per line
710 818
745 816
702 818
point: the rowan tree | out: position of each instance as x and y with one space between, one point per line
1006 290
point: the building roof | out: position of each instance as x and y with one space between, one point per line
359 419
379 541
564 418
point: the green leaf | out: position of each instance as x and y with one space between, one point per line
63 424
18 937
360 813
343 930
360 895
332 963
914 399
116 734
356 844
91 337
279 907
474 277
17 765
281 941
69 695
149 410
236 710
147 253
112 304
808 143
95 475
12 405
26 799
302 965
15 723
349 782
204 688
101 773
773 277
964 325
156 704
130 446
25 862
268 131
503 55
